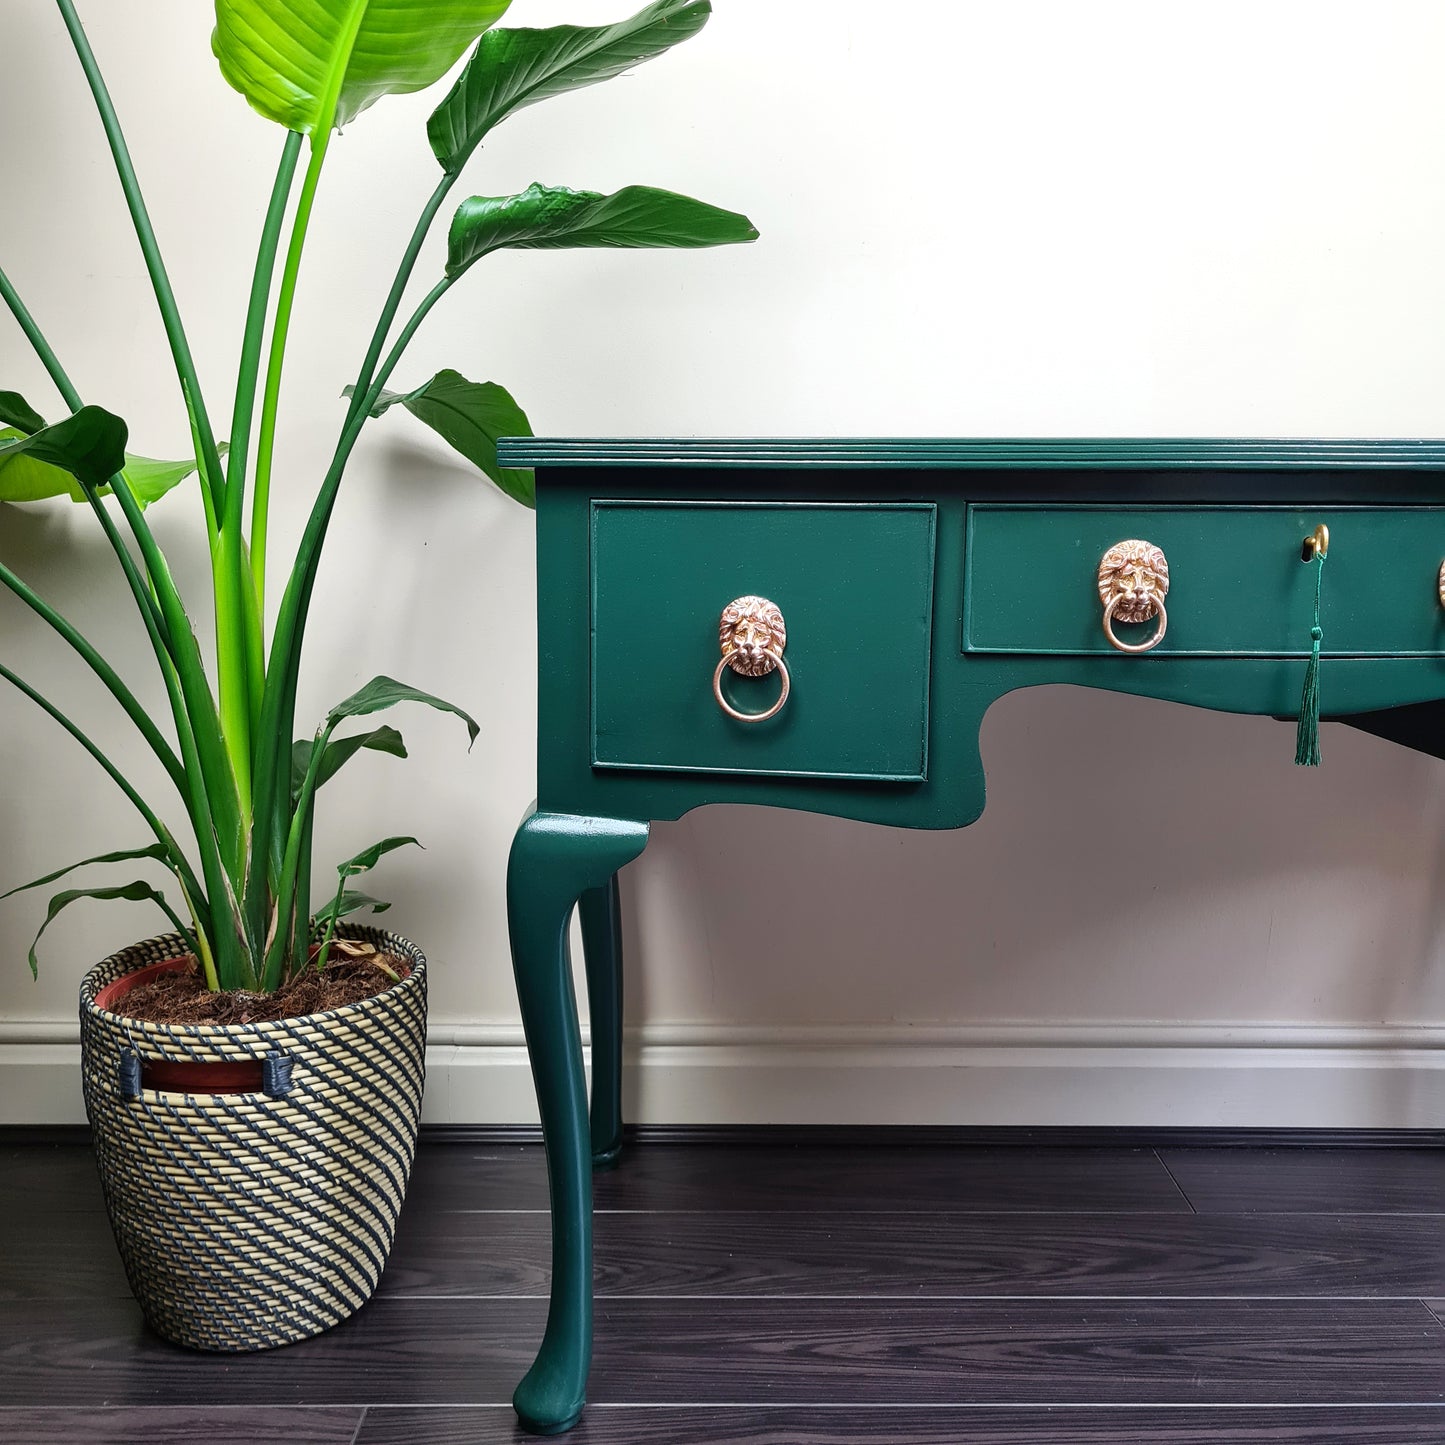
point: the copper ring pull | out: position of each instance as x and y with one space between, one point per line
752 635
1111 610
1133 582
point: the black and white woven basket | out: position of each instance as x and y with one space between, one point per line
256 1219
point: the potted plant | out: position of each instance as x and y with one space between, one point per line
254 1165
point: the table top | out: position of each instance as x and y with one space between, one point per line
1047 454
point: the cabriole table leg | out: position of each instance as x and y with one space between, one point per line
601 912
556 858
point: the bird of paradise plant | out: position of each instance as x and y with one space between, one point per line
248 791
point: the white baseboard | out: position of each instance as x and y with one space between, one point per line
1244 1076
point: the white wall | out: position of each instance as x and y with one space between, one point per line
978 219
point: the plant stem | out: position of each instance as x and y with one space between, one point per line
176 651
181 928
266 441
278 712
256 306
255 640
233 684
272 765
214 809
213 489
203 944
325 948
235 589
71 397
301 925
104 671
200 706
214 806
198 803
285 903
163 834
190 782
210 782
321 128
398 288
37 340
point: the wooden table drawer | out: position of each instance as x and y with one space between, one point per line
1237 586
855 585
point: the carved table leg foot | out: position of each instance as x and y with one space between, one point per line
601 913
556 858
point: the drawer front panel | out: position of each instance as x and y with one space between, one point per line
1237 586
855 586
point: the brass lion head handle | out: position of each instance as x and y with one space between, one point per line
1133 582
752 635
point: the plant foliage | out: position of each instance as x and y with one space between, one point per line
245 784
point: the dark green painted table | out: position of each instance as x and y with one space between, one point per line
918 581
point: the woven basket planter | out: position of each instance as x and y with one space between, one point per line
247 1220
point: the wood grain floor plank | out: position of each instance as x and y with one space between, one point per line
931 1254
1311 1180
181 1425
464 1176
476 1176
623 1425
72 1256
51 1177
780 1176
1018 1352
46 1178
896 1180
404 1352
757 1352
58 1256
801 1294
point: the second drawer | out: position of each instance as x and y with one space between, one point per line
1237 586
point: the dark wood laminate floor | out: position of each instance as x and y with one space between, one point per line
801 1295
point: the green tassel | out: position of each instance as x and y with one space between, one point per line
1307 733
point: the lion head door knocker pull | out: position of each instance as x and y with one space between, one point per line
1133 582
752 635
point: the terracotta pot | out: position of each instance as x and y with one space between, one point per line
253 1172
173 1075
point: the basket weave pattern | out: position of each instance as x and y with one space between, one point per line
246 1221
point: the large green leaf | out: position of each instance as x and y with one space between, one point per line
15 411
314 65
384 692
549 218
510 69
369 857
89 445
339 751
471 415
349 900
158 851
137 892
24 478
150 479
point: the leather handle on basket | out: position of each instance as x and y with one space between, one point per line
271 1075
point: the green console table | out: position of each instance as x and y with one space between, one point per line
821 624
